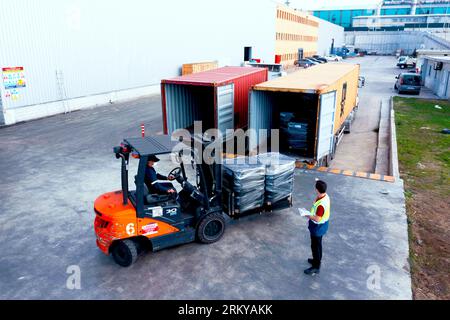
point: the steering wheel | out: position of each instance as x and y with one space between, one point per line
175 173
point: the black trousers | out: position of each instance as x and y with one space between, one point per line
316 248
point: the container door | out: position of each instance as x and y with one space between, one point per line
326 124
225 108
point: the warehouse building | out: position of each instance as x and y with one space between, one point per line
295 30
61 56
390 15
330 36
435 72
402 22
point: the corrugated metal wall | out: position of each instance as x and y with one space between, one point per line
242 88
186 104
76 48
261 115
387 42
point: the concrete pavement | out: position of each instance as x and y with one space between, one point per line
54 168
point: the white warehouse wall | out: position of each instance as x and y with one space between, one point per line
327 32
111 50
437 80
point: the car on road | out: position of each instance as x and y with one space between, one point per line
408 83
406 62
315 60
320 58
333 57
304 63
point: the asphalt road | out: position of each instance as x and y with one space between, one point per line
53 169
358 150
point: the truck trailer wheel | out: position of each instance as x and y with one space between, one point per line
124 253
211 228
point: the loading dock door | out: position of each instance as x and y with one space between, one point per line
225 108
326 124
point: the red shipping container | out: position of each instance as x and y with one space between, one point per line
219 98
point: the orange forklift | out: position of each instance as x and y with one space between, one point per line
129 222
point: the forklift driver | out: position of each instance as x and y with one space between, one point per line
152 179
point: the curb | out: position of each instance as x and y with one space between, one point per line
393 155
382 160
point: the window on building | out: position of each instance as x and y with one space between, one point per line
429 71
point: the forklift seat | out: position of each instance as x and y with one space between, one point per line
153 199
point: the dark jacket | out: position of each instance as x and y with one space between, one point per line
151 176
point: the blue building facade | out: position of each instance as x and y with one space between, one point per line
344 17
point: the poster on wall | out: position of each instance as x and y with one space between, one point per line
13 79
12 94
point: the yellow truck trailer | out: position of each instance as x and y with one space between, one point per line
311 107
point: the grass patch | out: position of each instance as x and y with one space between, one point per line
424 152
424 159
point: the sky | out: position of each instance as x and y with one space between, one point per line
330 4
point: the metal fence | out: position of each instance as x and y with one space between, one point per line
388 42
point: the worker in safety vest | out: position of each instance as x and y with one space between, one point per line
318 226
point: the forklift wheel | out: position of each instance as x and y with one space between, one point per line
125 253
211 228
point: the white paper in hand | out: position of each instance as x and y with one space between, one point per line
303 212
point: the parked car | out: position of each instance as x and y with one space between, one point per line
408 83
315 60
320 58
312 61
303 63
406 62
333 57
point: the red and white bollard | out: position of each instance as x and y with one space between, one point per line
143 130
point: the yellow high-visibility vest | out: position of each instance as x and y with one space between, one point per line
325 203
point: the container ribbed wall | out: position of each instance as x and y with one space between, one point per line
261 115
187 99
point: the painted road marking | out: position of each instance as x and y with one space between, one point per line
349 173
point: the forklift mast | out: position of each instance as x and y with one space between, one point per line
209 175
123 153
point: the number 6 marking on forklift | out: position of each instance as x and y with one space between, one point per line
130 229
